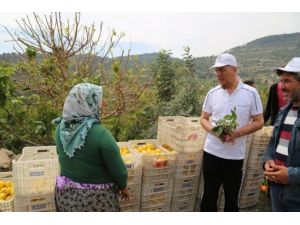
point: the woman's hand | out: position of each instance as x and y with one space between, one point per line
123 193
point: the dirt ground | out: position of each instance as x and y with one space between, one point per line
263 205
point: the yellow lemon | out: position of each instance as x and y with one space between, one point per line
8 197
3 196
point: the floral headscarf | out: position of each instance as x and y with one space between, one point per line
80 112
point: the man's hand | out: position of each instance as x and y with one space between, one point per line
269 166
230 138
279 174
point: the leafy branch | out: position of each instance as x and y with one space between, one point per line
226 125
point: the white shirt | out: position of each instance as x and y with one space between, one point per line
218 103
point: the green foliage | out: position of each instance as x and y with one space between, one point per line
5 73
32 94
165 75
138 124
227 124
31 54
189 60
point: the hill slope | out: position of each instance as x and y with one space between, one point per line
258 58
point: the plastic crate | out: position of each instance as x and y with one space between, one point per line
132 207
35 203
251 183
248 197
255 161
183 206
35 171
185 184
187 137
161 208
38 152
163 131
165 159
252 174
194 158
184 195
156 193
187 171
157 187
183 134
154 175
247 203
197 205
200 188
133 163
6 206
192 119
156 199
258 147
134 194
263 135
248 144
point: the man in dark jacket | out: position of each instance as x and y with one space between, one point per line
282 157
274 103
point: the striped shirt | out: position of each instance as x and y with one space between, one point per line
281 153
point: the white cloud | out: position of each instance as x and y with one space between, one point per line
205 33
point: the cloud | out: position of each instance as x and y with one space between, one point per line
205 33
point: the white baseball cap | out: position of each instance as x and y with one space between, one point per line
225 59
293 66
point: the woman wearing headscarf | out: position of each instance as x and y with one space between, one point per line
92 172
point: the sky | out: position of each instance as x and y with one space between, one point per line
206 33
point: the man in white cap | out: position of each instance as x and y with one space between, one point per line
223 157
282 157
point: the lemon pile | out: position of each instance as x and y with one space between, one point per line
6 190
124 151
148 149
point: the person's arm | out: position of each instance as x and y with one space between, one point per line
268 161
204 121
113 160
294 175
278 174
206 113
256 124
56 138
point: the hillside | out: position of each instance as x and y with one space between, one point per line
258 58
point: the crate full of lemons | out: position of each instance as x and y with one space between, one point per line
154 155
6 195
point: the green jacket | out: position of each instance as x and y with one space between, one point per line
98 162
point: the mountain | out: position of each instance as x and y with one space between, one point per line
258 58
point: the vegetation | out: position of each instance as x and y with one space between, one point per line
53 56
226 125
